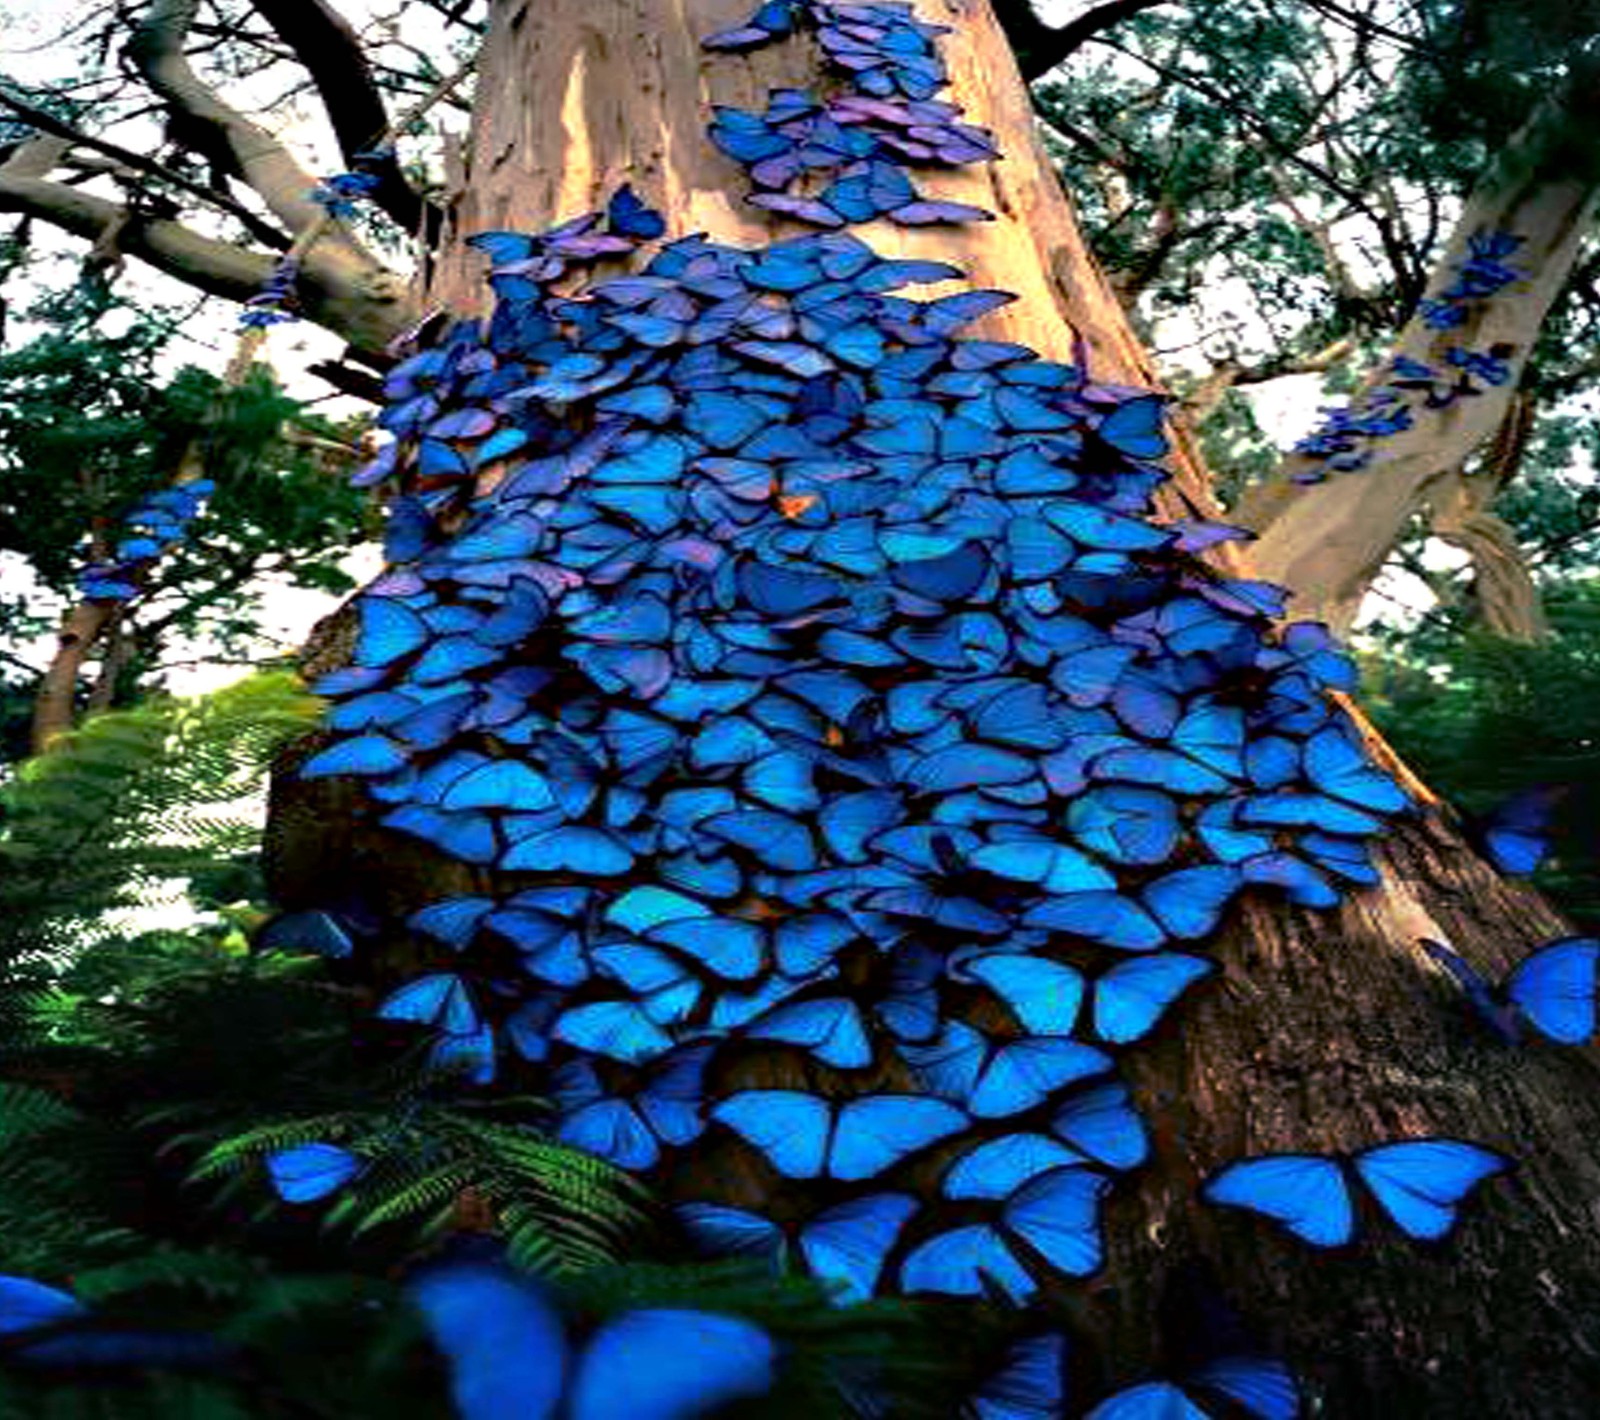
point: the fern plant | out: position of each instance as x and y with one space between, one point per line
134 799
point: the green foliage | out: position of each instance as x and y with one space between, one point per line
134 799
144 1081
1480 718
90 423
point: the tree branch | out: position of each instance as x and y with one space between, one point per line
332 54
1040 47
1207 395
218 130
262 231
343 295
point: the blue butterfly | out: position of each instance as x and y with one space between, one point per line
1337 765
1515 834
830 1027
844 1246
1417 1182
1055 1216
452 920
1553 990
509 1355
804 1136
1102 1124
993 1080
999 1167
365 755
630 1130
1043 995
1134 428
1190 902
439 999
1029 1385
306 931
1263 1386
1131 998
308 1172
848 1244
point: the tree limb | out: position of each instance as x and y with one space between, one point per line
36 117
332 54
221 131
345 296
1326 540
1040 47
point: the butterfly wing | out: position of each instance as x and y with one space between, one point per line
1132 997
1190 902
307 931
830 1027
1154 1400
847 1245
877 1131
1043 995
310 1171
1026 1072
1555 989
504 1343
966 1262
670 1364
26 1305
720 1231
1516 832
1308 1194
1103 1123
1419 1182
791 1128
1030 1385
1058 1215
999 1167
1263 1385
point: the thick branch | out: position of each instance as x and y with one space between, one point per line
332 54
363 306
156 49
46 123
55 697
1040 47
1327 541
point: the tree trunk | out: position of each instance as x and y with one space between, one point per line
1328 1031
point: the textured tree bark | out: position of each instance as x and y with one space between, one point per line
1326 1031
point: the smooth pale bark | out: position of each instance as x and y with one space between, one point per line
1328 541
1325 1030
